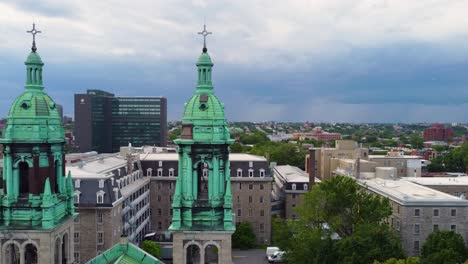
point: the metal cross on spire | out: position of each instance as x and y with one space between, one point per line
33 32
204 33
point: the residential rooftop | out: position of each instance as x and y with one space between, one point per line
452 181
293 174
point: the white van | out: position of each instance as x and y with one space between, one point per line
277 257
270 251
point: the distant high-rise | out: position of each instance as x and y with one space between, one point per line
438 132
104 122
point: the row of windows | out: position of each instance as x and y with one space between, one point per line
435 212
435 227
305 186
251 186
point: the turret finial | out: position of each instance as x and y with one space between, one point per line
204 33
33 32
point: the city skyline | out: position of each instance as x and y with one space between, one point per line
322 61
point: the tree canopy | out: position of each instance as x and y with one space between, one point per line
444 247
338 207
152 248
243 237
454 161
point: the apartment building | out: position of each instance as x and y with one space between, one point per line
112 197
407 165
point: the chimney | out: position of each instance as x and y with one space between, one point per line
311 167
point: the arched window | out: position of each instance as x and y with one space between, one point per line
100 197
149 172
30 253
239 172
160 172
171 172
251 173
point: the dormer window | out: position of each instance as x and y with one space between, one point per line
160 163
149 172
160 172
171 172
119 171
239 172
251 173
101 184
100 197
250 164
306 187
262 173
293 186
77 183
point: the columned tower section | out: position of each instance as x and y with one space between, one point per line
202 222
36 198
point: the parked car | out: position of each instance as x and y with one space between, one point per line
277 257
270 251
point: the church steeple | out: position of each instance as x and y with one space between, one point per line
204 65
34 64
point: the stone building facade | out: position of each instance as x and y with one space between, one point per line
418 211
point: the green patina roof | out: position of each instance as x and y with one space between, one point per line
124 253
33 116
204 59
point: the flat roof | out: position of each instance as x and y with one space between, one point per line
175 156
293 174
96 168
409 193
395 157
452 181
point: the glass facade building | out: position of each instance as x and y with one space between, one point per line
104 122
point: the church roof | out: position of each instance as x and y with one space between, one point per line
124 253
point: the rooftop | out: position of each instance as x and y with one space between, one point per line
409 193
293 174
100 166
394 157
454 181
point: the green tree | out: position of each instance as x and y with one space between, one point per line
444 247
152 248
454 161
255 138
368 243
409 260
343 204
416 142
243 237
175 134
236 148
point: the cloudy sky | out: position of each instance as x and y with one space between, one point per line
316 60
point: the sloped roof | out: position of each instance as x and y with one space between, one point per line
124 253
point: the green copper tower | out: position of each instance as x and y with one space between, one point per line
202 204
37 198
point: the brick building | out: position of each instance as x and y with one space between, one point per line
438 132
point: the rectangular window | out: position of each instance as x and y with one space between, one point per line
239 213
435 228
453 228
453 212
100 239
261 199
250 199
436 213
250 164
240 186
99 217
261 186
417 212
250 186
262 212
416 246
261 227
416 228
76 255
76 237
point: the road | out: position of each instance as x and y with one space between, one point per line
253 256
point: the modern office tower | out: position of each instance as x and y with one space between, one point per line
104 122
37 211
